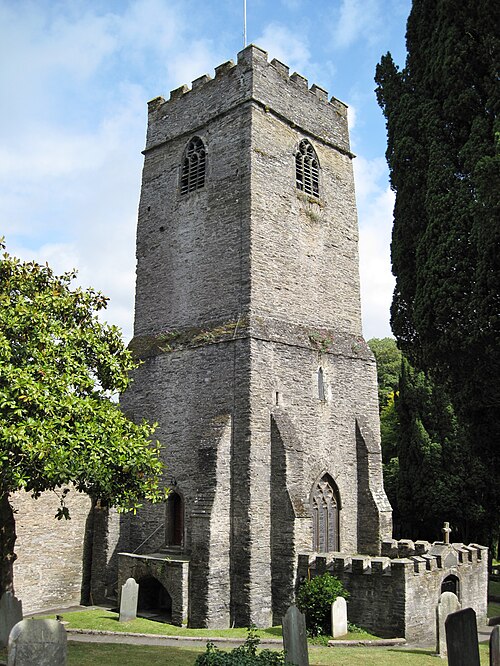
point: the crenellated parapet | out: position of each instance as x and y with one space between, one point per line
411 557
252 79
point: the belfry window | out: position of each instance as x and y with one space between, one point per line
193 166
325 505
307 169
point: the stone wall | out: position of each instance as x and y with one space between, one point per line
49 569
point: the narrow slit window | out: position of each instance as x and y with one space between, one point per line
193 166
307 169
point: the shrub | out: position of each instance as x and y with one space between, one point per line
315 598
245 655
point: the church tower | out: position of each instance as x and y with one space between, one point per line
248 324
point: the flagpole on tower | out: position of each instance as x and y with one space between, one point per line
244 23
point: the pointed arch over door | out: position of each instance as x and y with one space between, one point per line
325 508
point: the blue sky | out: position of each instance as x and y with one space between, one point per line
76 76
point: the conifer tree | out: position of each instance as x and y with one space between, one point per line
444 160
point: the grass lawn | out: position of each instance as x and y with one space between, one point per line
493 609
494 587
105 620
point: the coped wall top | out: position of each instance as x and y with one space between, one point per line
252 78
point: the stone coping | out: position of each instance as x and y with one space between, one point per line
382 642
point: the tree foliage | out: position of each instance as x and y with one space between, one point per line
388 359
444 160
59 367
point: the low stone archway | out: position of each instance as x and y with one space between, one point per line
154 600
163 584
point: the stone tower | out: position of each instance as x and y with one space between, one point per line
248 325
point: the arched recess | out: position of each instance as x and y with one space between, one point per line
153 597
193 168
174 519
451 584
325 512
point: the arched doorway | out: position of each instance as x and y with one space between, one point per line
325 508
451 584
175 520
154 601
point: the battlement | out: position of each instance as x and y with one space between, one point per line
248 57
407 557
251 79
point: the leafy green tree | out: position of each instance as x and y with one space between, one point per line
59 367
444 160
388 359
437 477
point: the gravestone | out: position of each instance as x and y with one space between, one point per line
339 617
495 646
37 642
128 600
295 637
461 638
11 612
448 603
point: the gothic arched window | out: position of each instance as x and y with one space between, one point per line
193 166
325 506
307 169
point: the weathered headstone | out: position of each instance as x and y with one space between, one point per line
461 638
339 617
295 637
37 643
11 612
448 603
128 600
495 646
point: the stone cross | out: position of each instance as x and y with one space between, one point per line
128 600
339 617
446 532
11 612
495 646
40 642
461 638
295 637
448 603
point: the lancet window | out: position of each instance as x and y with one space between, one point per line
175 520
307 169
325 505
193 166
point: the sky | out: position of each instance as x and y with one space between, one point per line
75 79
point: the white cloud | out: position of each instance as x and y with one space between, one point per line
375 205
356 19
285 45
195 59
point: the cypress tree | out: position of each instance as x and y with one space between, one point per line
444 160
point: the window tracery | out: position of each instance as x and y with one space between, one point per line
193 166
307 169
325 505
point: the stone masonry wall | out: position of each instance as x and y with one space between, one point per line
48 571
